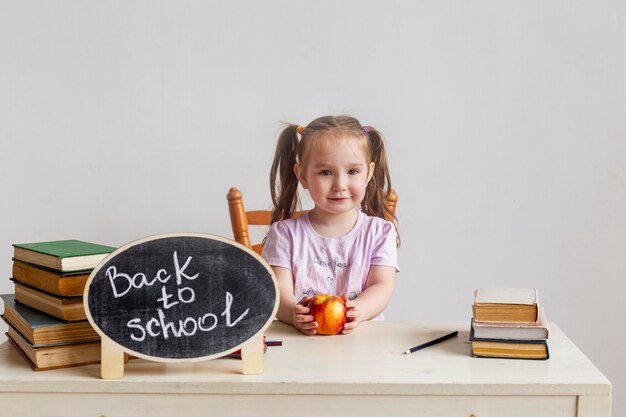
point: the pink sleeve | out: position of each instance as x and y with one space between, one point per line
278 246
385 252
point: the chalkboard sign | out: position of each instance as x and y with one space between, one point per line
175 297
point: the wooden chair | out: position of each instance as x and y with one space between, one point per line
240 218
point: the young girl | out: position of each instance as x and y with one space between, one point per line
343 246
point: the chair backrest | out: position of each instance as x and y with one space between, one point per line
240 219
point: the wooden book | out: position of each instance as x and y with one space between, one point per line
512 331
67 284
506 305
64 308
62 255
509 349
53 357
41 329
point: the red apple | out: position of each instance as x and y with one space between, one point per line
329 311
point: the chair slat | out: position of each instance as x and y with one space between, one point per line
259 217
258 248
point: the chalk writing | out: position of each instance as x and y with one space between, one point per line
140 280
188 326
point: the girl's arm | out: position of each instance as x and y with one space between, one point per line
371 302
289 310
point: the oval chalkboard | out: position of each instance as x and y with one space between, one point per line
175 297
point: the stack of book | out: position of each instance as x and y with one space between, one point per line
46 318
509 323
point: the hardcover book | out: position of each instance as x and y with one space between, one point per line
506 305
62 255
52 357
41 329
64 308
67 284
510 349
513 331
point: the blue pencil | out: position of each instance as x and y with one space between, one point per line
432 342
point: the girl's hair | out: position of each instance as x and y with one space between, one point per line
319 133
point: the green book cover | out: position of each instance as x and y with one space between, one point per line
66 248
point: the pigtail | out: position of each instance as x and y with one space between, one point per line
283 180
379 187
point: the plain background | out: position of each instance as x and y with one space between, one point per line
505 124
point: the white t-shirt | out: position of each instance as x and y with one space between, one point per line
335 266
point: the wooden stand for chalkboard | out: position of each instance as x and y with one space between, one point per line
113 358
252 356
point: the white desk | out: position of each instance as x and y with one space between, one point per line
358 375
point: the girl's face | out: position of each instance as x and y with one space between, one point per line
336 175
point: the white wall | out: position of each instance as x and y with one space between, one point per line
505 121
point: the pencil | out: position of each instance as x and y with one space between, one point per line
432 342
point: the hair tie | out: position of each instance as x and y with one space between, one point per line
299 129
366 129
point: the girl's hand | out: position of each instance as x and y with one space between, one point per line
352 315
301 319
